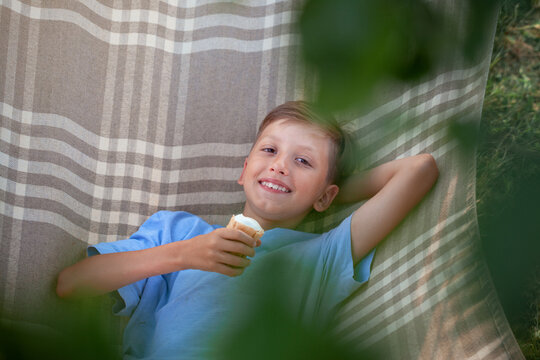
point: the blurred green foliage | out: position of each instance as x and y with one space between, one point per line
355 45
267 326
508 170
81 330
352 45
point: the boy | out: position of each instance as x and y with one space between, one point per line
171 275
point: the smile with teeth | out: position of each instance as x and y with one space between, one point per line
274 186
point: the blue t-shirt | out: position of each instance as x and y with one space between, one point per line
172 316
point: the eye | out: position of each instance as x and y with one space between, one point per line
303 161
269 150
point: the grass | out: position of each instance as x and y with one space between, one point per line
508 170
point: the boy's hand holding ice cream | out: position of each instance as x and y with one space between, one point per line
247 225
224 250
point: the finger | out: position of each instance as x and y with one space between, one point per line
238 235
238 248
234 260
229 271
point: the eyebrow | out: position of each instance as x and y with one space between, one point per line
303 147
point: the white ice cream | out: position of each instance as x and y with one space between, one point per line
252 223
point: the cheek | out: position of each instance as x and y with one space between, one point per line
311 184
319 186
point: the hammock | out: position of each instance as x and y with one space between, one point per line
109 114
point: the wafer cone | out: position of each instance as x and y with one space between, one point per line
255 234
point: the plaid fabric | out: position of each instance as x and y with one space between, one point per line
110 113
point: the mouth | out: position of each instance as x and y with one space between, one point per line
274 187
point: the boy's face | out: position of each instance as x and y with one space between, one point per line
285 174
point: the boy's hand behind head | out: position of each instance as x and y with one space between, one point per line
223 251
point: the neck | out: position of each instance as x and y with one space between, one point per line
269 223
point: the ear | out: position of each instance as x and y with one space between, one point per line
241 178
325 200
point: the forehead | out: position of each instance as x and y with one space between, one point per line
297 131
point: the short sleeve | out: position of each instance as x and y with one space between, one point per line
146 237
322 264
340 278
161 228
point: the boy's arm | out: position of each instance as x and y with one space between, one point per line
393 189
219 251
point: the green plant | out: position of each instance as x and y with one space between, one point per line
508 171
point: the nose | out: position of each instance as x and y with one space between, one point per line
278 166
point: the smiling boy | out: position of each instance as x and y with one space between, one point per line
286 174
172 273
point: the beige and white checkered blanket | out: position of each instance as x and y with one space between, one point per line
112 110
